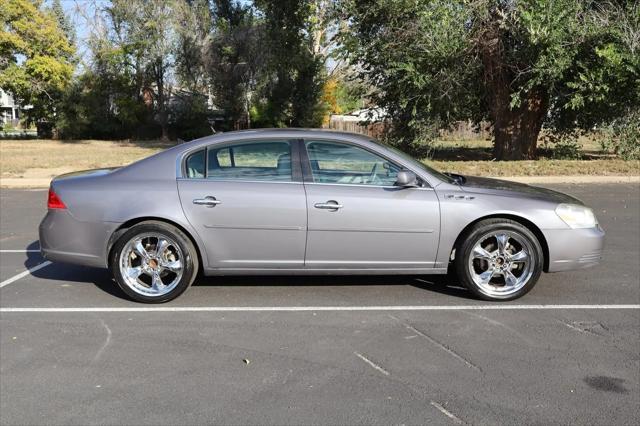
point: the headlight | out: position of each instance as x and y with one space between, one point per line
577 216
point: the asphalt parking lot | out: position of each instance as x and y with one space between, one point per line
328 350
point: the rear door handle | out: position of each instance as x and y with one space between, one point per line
329 205
208 201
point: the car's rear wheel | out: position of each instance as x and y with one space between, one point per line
154 262
499 259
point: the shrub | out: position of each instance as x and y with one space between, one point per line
565 146
560 145
623 137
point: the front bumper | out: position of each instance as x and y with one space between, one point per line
63 238
571 249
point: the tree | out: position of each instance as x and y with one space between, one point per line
194 23
341 96
145 31
114 96
107 100
566 64
63 21
291 89
235 60
35 57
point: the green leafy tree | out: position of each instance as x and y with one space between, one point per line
36 58
235 60
107 100
521 64
112 97
189 112
145 76
291 87
63 21
146 29
193 22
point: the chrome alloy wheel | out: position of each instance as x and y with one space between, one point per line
501 263
151 264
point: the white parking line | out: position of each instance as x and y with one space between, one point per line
24 273
447 413
313 308
371 363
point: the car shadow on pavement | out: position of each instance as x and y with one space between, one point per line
101 278
436 283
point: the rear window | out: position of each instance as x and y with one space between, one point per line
195 165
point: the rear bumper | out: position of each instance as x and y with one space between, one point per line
571 249
66 239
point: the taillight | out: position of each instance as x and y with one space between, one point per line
54 202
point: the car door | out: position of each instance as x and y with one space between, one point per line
247 202
358 219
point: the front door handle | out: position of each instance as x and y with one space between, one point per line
208 201
329 205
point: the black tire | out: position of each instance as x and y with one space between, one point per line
478 233
190 263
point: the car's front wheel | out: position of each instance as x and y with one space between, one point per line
499 259
154 262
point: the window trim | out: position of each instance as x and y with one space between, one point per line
294 145
308 172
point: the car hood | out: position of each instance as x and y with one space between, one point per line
515 189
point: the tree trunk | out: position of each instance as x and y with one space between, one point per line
516 130
162 102
165 130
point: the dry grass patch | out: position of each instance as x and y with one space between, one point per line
20 157
38 159
613 167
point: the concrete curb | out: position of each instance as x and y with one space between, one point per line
571 179
27 183
24 183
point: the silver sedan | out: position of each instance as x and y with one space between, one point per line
309 202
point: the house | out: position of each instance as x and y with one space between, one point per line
9 111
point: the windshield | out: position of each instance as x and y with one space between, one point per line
417 163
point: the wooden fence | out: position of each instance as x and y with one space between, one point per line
374 130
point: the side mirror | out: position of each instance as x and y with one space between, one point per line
406 179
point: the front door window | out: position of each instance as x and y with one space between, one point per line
339 163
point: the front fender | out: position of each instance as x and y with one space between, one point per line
461 209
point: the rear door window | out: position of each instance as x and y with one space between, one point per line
253 161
